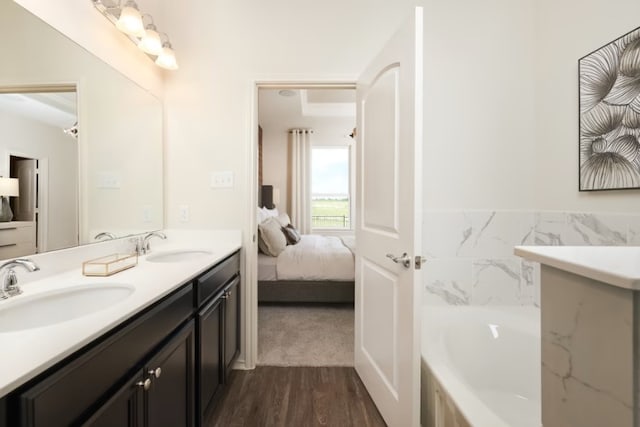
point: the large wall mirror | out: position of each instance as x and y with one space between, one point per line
82 142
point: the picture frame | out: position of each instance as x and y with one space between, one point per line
609 115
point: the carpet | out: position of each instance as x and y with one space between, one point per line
305 335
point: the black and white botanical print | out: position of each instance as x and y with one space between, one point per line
610 115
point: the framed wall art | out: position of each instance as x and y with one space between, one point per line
610 115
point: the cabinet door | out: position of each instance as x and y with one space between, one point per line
169 400
209 372
124 408
231 324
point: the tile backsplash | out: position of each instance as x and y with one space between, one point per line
470 253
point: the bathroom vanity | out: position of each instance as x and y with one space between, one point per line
160 357
590 324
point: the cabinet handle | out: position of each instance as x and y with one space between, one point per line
8 245
146 384
8 228
155 372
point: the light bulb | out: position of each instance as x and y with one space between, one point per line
167 58
150 42
130 21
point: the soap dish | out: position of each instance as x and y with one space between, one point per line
108 265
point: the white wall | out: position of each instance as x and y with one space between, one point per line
29 138
479 104
224 44
565 32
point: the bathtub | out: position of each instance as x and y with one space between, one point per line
485 364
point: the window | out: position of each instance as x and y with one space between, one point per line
330 188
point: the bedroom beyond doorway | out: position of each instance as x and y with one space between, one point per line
306 194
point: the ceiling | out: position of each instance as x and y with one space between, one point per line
308 108
56 109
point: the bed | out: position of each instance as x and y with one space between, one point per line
316 269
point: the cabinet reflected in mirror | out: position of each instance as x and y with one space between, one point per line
105 178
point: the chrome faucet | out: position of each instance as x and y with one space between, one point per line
10 286
105 234
145 247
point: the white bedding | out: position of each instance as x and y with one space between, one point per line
315 257
267 267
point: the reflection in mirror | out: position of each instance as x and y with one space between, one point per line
108 178
41 152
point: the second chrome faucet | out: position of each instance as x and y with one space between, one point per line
143 246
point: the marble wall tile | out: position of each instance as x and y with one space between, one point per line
446 234
529 293
448 280
496 282
549 227
633 230
494 234
596 229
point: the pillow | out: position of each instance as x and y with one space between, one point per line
283 219
292 235
261 216
271 239
270 212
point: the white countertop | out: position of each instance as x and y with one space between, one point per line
29 352
615 265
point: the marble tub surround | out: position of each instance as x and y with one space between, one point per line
590 315
34 350
470 253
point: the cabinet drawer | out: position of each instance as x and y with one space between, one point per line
17 235
15 250
72 390
211 282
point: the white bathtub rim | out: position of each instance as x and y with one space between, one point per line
475 411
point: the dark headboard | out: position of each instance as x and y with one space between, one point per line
266 197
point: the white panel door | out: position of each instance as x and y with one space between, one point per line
389 156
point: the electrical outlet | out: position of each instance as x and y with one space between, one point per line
184 213
146 213
223 179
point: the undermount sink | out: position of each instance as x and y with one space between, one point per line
177 256
60 305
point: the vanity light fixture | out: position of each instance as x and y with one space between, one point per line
167 57
126 16
130 20
150 43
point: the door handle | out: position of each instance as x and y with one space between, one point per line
404 259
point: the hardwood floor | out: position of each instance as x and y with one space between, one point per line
295 397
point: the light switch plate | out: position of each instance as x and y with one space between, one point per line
222 179
108 180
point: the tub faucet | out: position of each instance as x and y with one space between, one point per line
10 286
105 234
145 247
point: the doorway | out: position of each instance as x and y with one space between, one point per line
306 321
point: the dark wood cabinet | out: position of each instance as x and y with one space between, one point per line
161 394
164 366
231 325
210 354
124 408
218 331
170 399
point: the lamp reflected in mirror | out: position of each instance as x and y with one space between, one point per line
9 187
